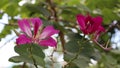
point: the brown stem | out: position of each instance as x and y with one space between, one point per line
23 66
51 57
104 48
62 40
54 15
52 9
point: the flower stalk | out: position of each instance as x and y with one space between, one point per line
104 48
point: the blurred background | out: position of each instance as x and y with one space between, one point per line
62 15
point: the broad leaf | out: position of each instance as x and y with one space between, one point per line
25 55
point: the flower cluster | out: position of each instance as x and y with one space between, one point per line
90 25
33 32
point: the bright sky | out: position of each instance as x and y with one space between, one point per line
116 39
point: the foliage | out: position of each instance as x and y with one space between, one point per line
77 49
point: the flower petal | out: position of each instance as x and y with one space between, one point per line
37 23
25 27
47 32
100 29
23 39
88 20
97 33
81 21
48 42
98 19
97 22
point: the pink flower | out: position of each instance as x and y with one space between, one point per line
34 33
98 32
90 25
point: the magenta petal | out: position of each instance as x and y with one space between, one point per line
101 29
81 21
97 33
97 23
37 23
48 42
23 39
34 20
98 20
48 31
88 19
25 26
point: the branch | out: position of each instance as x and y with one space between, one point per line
52 9
104 48
55 17
62 40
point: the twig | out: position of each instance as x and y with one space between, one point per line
104 48
23 66
52 10
51 57
54 15
62 40
107 43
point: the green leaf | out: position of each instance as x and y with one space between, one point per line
10 8
3 3
26 56
36 9
73 36
109 15
18 59
80 61
39 60
72 65
28 59
86 52
116 51
107 61
24 50
72 2
87 49
102 4
107 9
72 46
19 66
69 11
1 14
37 51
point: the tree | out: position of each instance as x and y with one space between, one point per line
71 40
